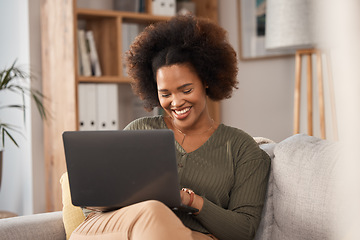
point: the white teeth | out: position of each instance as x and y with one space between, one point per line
182 111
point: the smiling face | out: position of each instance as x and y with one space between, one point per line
183 96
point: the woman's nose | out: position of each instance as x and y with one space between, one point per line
177 102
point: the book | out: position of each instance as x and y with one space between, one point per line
127 5
84 54
94 59
80 67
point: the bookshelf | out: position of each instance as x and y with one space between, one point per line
59 24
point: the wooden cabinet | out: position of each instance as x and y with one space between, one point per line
59 21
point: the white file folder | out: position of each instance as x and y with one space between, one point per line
113 105
164 7
101 105
170 7
107 106
87 106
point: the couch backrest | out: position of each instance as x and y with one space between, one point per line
300 198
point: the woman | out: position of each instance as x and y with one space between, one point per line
177 65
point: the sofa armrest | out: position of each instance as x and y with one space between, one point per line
267 218
37 226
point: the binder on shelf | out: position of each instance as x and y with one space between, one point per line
87 106
101 106
113 106
164 7
84 54
170 7
94 59
107 106
157 7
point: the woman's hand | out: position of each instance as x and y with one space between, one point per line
196 201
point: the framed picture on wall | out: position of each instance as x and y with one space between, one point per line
252 31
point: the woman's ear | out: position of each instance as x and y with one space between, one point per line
206 85
207 90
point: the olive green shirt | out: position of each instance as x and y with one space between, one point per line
230 172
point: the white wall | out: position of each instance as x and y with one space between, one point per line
18 193
339 22
263 104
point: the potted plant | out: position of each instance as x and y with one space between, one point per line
10 79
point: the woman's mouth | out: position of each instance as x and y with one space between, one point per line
181 114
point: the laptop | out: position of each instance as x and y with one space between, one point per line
112 169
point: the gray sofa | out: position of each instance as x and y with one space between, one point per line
38 226
298 204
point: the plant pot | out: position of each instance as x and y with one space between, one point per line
4 214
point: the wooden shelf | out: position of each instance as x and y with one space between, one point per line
103 79
133 16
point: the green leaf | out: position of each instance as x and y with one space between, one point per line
9 135
5 131
8 81
40 107
13 106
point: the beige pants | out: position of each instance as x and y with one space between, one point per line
149 220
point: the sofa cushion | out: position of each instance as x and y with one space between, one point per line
72 216
304 176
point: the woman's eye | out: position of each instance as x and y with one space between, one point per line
188 91
165 95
